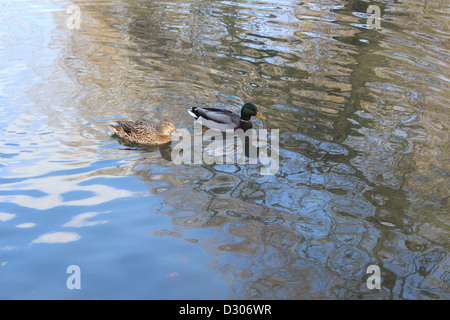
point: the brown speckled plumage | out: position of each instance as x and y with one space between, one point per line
148 133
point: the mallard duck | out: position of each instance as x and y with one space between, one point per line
148 133
222 120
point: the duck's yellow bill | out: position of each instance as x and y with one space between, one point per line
259 116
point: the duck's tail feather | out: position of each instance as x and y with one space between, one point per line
193 112
121 128
114 127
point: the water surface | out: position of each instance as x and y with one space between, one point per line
363 173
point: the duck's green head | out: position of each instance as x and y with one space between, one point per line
249 110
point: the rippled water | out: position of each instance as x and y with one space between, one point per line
364 161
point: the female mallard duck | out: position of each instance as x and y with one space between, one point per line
147 133
222 120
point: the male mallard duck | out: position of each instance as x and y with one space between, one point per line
148 133
224 119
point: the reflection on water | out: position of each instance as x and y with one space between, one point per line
57 237
363 167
